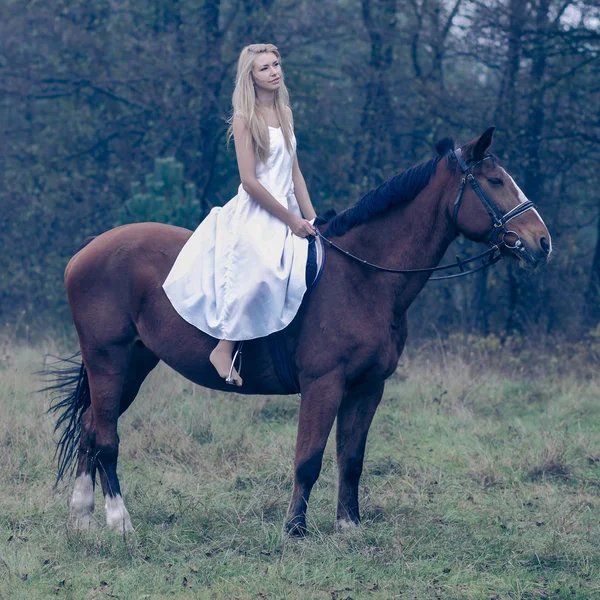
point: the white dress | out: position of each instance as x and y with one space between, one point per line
241 275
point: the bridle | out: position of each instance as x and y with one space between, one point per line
498 218
497 237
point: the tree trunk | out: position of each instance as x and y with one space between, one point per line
375 142
534 181
210 125
505 110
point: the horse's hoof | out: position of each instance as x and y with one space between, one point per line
82 504
345 525
295 529
117 516
121 525
84 522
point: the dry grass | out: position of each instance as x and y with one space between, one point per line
477 485
552 462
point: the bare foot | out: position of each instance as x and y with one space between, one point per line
221 361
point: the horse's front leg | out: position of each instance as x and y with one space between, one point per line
321 399
354 419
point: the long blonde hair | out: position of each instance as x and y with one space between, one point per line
245 102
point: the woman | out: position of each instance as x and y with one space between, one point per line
241 275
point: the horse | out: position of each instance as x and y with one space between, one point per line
344 342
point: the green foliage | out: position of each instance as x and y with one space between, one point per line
92 92
164 198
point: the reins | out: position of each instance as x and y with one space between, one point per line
488 257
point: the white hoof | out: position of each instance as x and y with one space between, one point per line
345 525
82 504
84 522
117 516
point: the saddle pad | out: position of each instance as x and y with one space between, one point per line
282 361
315 261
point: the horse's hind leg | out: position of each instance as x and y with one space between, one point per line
353 422
137 363
141 363
115 375
107 373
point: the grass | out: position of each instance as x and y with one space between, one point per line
478 484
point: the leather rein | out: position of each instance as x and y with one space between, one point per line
497 237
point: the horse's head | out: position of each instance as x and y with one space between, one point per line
489 206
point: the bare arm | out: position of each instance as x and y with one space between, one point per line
247 167
301 192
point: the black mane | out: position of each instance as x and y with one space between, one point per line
400 189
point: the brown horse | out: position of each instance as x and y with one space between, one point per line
345 341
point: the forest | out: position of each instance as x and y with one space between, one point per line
115 112
481 474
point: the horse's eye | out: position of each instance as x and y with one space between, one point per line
496 181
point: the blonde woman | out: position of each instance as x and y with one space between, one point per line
242 273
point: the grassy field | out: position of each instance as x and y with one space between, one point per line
476 485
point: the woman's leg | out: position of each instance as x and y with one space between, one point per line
220 358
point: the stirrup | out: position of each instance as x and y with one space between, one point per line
229 379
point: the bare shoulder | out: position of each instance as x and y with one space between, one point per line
241 134
290 114
240 126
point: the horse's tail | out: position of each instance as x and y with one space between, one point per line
70 399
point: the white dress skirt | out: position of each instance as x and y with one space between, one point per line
241 275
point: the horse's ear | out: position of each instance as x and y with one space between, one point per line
482 144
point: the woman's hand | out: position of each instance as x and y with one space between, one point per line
301 227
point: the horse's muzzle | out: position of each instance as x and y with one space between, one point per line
531 255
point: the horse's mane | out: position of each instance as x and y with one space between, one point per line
400 189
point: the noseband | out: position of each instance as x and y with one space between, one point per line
499 219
